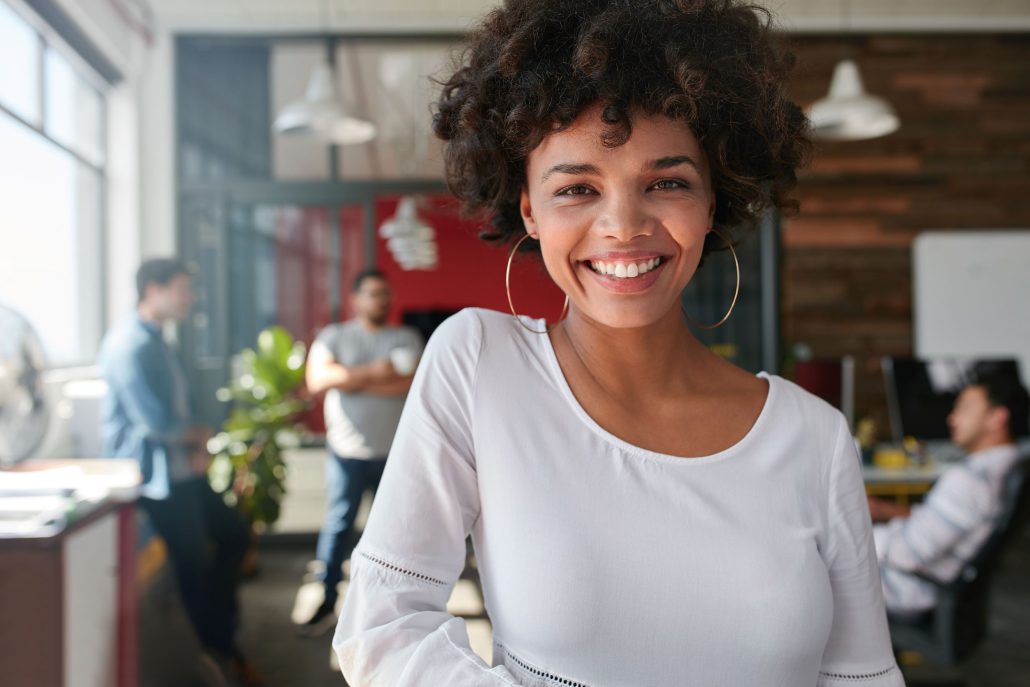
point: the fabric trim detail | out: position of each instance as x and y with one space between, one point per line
537 672
857 678
397 569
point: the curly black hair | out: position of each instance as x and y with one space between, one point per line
533 66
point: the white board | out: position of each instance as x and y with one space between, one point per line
971 295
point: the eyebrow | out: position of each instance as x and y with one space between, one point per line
567 168
587 168
673 161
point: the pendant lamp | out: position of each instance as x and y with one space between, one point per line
321 113
848 113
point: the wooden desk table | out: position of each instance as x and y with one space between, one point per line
67 578
901 484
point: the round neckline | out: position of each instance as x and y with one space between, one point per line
584 416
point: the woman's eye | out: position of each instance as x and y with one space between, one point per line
574 190
669 184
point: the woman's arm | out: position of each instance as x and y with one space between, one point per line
394 629
859 648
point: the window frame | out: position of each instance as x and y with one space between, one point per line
100 79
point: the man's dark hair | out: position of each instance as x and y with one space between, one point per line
1005 391
367 274
158 271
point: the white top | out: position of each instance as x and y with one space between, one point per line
945 532
603 563
359 424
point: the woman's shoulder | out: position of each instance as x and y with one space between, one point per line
798 400
475 324
805 413
467 332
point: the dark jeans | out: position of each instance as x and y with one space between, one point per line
206 542
346 482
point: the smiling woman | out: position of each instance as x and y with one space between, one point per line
642 512
640 210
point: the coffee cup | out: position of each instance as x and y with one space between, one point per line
403 360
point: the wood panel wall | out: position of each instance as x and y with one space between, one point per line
961 160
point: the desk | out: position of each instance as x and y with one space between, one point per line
67 577
901 483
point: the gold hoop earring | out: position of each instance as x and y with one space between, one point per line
507 289
736 291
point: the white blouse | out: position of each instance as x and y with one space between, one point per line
602 563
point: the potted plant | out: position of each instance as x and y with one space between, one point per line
268 395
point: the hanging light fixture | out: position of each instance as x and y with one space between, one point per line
321 112
848 113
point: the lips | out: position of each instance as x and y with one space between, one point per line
612 282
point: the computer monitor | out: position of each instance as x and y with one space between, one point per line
921 393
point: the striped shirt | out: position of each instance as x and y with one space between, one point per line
943 533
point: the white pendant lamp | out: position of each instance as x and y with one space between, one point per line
848 113
322 114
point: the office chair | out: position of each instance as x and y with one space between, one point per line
948 633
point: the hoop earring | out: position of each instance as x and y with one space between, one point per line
736 291
507 289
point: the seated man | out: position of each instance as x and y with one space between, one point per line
939 536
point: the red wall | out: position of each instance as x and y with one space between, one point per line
470 271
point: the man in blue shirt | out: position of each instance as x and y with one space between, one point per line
147 416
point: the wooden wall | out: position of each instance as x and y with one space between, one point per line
961 160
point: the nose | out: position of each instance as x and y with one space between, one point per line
624 217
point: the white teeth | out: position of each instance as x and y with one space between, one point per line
621 270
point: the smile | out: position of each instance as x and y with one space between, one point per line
624 270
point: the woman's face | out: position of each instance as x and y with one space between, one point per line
621 229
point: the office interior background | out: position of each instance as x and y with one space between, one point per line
140 128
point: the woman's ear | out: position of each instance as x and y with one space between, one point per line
526 209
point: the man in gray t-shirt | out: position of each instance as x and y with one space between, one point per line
366 367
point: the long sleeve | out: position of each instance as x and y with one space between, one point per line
957 505
858 650
394 630
131 377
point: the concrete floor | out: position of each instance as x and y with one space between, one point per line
288 660
282 593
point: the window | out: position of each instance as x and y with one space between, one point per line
19 45
51 189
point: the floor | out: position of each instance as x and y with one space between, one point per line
283 592
279 594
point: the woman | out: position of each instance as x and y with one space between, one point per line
643 513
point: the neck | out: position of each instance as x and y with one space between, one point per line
148 313
988 442
370 324
663 356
